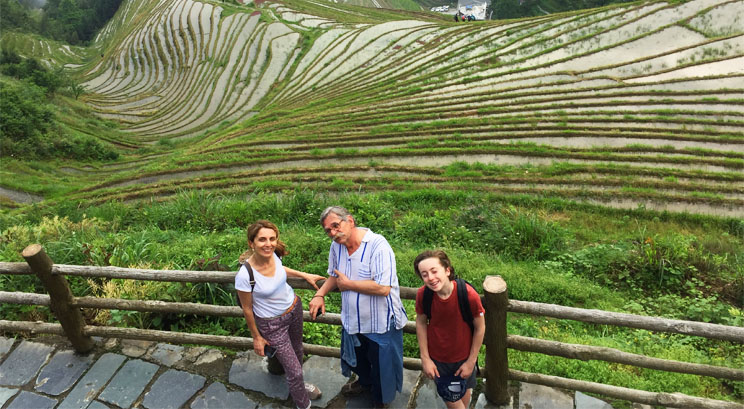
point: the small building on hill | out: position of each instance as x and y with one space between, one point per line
475 8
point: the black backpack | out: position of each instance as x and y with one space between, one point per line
252 281
462 301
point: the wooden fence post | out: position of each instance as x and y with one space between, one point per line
497 367
60 297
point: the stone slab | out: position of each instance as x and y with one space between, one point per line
208 357
583 401
216 396
97 405
482 403
5 394
87 388
533 396
135 348
172 389
167 354
191 354
129 383
325 373
427 396
24 363
26 400
62 371
5 345
274 405
250 372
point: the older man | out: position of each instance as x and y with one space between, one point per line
362 265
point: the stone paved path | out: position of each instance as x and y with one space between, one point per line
45 373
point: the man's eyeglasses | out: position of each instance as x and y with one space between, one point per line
334 226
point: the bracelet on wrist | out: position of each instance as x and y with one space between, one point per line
321 296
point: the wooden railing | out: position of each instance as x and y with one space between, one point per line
66 308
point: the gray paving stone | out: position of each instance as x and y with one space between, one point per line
211 355
5 394
135 348
533 396
97 405
250 372
191 354
216 396
427 396
62 371
172 389
274 405
482 403
26 400
583 401
87 388
24 363
5 345
401 399
325 373
167 354
129 383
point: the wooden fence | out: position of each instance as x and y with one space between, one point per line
67 309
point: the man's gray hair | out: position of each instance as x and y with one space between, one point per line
337 210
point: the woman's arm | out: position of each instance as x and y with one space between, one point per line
246 300
428 366
310 278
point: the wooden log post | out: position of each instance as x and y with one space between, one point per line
60 297
497 367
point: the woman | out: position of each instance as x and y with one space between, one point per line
271 308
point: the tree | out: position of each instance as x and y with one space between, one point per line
76 89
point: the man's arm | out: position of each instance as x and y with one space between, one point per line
368 287
317 304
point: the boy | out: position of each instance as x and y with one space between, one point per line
449 345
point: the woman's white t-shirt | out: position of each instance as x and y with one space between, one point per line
272 296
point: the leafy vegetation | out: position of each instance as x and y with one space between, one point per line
29 127
549 252
72 21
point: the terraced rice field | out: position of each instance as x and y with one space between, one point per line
634 105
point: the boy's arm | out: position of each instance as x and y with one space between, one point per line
428 366
479 330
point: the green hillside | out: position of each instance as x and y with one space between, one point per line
594 157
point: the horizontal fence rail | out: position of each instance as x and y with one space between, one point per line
700 329
497 341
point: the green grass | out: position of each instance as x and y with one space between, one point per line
546 251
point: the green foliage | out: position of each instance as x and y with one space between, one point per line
76 21
25 119
16 17
31 70
543 259
28 125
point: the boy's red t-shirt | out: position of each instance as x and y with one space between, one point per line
449 337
